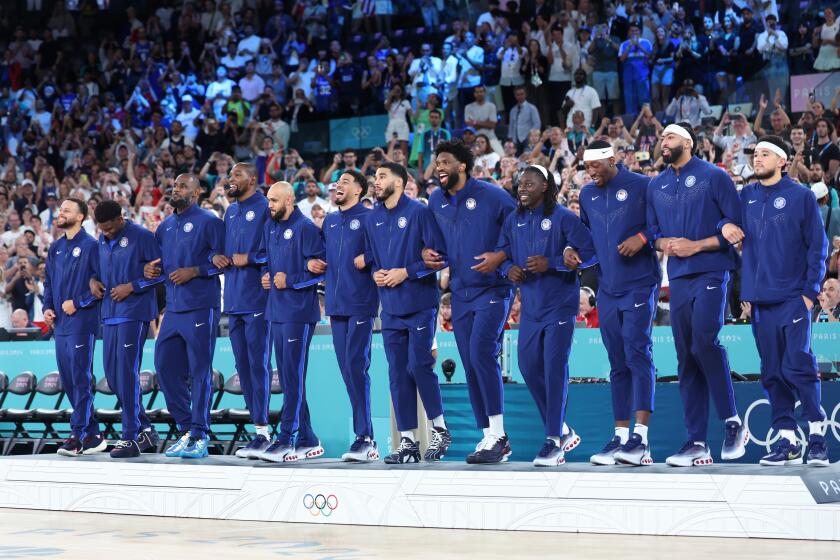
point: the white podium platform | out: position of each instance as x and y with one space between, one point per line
719 501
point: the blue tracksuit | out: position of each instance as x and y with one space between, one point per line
187 338
395 238
293 311
550 302
126 323
352 304
693 203
784 254
470 222
71 263
627 288
245 302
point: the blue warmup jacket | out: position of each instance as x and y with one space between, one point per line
613 214
470 222
350 292
244 223
71 263
395 238
785 246
694 204
289 245
553 294
121 262
188 239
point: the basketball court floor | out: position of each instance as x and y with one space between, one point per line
72 535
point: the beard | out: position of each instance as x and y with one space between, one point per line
65 223
763 175
279 215
179 204
385 193
676 154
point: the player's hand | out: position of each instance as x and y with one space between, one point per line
266 281
359 262
732 233
151 269
122 291
516 275
316 266
808 303
536 264
682 247
490 261
97 288
68 307
571 259
379 277
432 259
663 244
630 246
183 275
221 261
240 259
395 277
49 317
280 280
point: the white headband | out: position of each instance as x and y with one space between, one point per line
595 154
679 131
773 148
542 170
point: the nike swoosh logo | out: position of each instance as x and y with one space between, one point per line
638 304
170 227
127 345
493 301
58 252
379 223
292 340
562 322
333 225
664 187
797 320
752 201
80 346
711 287
198 324
258 314
596 197
361 322
420 328
444 205
520 225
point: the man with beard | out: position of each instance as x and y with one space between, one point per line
687 204
533 240
351 303
784 254
470 214
73 312
187 338
244 299
290 240
396 232
613 207
129 304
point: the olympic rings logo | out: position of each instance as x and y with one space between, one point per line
772 437
320 504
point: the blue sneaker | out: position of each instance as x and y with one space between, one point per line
551 455
691 454
735 440
279 452
180 444
783 453
634 452
817 451
254 448
362 450
607 455
196 449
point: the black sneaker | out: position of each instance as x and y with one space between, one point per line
439 445
72 447
147 440
125 449
93 444
493 450
407 452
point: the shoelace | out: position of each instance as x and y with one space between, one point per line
357 444
481 444
816 445
437 440
688 445
490 442
547 448
258 441
405 444
731 433
632 443
123 443
613 444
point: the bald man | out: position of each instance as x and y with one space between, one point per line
20 319
187 338
290 240
245 299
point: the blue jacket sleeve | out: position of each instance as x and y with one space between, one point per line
653 231
313 248
370 254
149 251
432 238
257 258
48 292
91 264
578 237
817 247
504 245
216 239
263 260
729 203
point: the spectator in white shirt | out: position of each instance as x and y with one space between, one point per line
222 86
689 105
559 73
251 84
187 117
471 62
511 56
581 98
740 137
772 43
483 116
250 45
312 191
425 73
15 230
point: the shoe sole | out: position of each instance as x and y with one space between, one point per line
411 459
695 463
273 458
764 463
605 462
572 444
202 456
370 456
817 462
742 449
103 445
66 453
645 461
561 461
504 459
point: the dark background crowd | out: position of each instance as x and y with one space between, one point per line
115 99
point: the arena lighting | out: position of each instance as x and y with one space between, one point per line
448 367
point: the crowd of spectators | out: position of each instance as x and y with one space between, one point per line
115 99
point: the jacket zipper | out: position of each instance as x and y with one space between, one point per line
338 260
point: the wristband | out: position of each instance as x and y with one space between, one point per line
642 237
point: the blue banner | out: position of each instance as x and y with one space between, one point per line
359 133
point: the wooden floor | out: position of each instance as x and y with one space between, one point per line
43 534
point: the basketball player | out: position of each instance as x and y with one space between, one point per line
187 338
533 240
245 299
129 304
352 304
470 214
290 240
784 255
73 312
396 232
613 207
686 204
